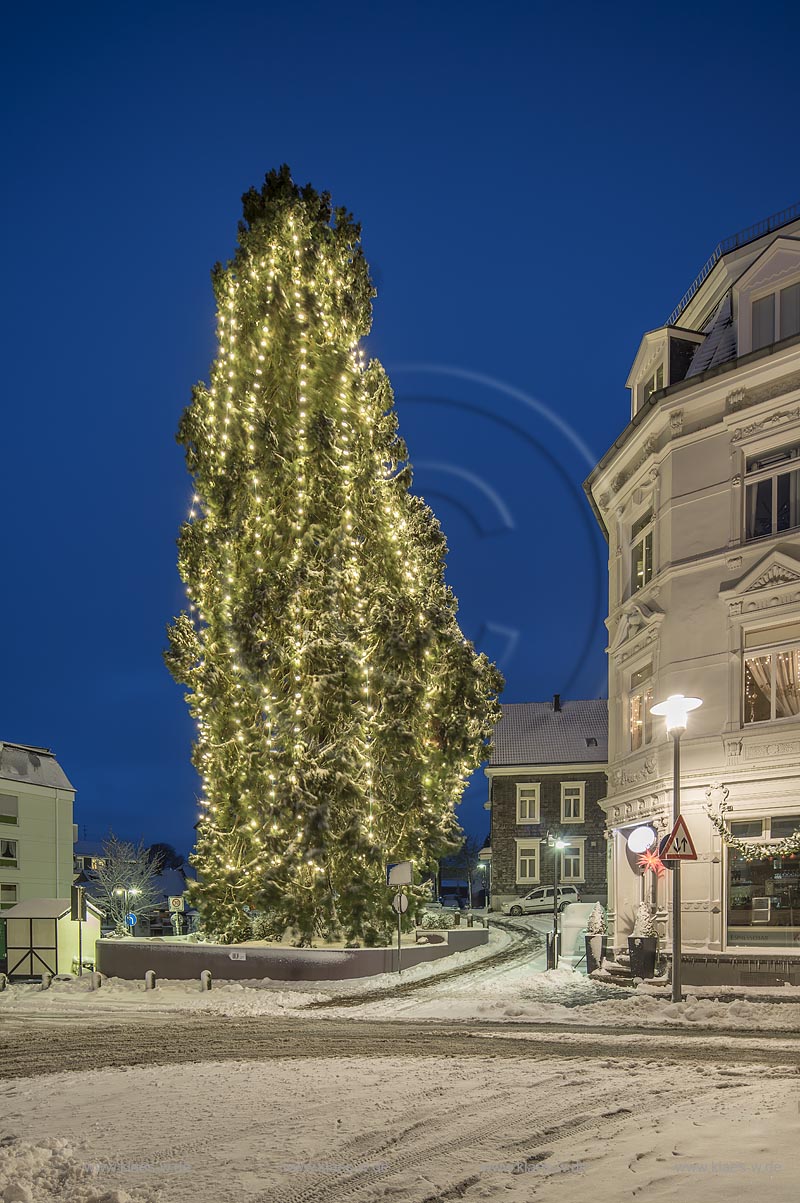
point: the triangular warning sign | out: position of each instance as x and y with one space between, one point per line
679 845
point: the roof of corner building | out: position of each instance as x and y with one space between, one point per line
535 733
720 343
35 766
734 243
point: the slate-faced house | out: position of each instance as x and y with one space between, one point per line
546 776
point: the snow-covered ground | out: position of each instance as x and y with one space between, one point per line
619 1102
416 1131
516 991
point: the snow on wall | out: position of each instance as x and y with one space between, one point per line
132 958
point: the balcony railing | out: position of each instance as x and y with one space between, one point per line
730 244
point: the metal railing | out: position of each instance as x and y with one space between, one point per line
729 244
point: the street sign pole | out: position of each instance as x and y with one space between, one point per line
400 906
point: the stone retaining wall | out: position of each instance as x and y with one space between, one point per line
132 958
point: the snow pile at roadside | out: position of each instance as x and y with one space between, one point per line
49 1172
234 999
565 996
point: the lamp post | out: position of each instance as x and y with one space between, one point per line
676 710
557 845
127 893
482 866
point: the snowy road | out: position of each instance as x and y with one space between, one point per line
508 1124
440 1089
29 1049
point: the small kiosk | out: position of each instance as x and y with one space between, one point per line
42 937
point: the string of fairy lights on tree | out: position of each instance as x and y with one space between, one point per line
339 709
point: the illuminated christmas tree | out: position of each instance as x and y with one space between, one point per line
339 708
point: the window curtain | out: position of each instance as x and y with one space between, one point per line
788 498
763 322
758 675
790 311
787 685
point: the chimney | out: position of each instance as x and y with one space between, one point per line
556 703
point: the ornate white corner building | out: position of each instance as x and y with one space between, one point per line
700 501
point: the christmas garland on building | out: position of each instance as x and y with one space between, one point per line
748 849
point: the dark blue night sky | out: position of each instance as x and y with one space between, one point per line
537 184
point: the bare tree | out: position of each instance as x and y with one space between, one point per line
126 881
466 861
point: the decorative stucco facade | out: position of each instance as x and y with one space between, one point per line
700 502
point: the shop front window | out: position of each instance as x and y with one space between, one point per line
764 901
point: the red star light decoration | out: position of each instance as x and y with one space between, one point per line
652 861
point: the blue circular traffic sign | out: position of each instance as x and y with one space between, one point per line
130 919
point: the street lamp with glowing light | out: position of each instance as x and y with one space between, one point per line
557 845
126 893
676 710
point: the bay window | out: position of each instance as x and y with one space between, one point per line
640 701
642 551
771 680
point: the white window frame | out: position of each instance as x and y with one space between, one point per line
580 786
775 293
529 785
15 858
9 820
647 534
642 394
580 844
769 473
523 844
6 903
757 652
640 690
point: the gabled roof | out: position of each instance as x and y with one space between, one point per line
43 908
88 848
535 733
37 766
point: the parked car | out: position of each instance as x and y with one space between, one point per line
540 900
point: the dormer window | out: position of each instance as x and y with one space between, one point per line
652 385
776 316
